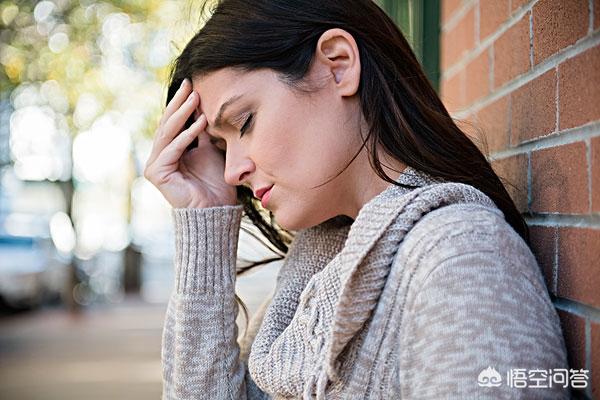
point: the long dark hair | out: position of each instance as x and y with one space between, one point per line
404 114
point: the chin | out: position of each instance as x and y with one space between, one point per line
296 224
289 226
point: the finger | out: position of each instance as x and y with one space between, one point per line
172 128
174 150
177 120
180 96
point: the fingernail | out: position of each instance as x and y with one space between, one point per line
191 96
184 82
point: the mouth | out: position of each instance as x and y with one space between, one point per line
265 195
261 192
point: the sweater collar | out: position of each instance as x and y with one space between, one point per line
410 178
365 265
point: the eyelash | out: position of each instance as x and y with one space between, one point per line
246 125
243 129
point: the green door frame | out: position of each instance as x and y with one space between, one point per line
419 21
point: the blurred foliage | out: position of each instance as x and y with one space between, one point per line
71 41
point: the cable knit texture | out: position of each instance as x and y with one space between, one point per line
425 289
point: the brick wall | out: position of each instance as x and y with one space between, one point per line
523 78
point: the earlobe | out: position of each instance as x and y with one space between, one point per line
337 50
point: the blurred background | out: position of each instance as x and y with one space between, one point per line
86 244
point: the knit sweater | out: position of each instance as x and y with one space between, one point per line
427 288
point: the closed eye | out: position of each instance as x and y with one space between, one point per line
246 125
217 143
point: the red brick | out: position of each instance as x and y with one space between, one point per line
559 180
516 4
579 89
494 121
449 7
492 13
513 173
478 77
596 20
511 52
556 25
543 246
533 108
595 175
457 41
578 255
595 377
453 91
573 328
471 128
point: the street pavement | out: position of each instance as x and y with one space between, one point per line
107 351
104 352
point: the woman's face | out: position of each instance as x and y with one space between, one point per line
292 140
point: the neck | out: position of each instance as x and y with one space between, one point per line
365 184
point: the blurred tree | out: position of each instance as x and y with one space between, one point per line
70 41
85 60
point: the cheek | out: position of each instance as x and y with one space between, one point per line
277 143
307 154
307 145
271 149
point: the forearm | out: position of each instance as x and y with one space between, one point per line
200 353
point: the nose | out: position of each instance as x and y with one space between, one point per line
238 168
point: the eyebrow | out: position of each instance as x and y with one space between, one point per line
219 119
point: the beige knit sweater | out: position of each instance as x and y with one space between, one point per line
426 289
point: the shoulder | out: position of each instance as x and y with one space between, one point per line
472 236
460 228
475 297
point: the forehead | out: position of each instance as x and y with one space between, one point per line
217 87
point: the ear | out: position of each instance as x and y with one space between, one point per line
338 53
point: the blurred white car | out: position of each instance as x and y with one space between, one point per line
32 268
31 271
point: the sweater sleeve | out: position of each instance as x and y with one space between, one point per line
481 312
200 353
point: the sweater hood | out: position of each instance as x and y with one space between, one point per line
365 264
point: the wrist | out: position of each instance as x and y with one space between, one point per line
205 248
198 205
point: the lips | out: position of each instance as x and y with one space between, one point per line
260 194
265 197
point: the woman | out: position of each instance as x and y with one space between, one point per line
410 275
